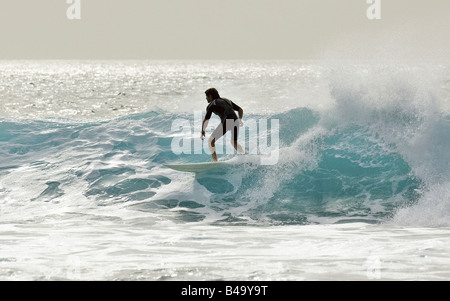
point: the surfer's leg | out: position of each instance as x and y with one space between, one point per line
218 132
237 147
234 140
212 148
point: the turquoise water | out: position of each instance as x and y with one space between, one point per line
343 175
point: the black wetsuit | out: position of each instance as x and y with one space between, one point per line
225 109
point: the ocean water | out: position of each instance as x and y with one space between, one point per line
360 189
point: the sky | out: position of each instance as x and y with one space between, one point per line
224 29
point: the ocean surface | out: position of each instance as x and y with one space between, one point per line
360 189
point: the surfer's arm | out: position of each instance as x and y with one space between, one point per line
240 112
204 126
205 121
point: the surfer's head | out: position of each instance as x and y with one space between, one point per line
211 94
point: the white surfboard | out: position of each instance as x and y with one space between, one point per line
197 167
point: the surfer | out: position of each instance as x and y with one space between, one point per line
225 109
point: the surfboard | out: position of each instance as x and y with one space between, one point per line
196 167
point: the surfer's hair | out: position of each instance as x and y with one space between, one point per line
213 92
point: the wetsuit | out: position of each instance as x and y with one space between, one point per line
225 109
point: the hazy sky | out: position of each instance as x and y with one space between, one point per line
223 29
